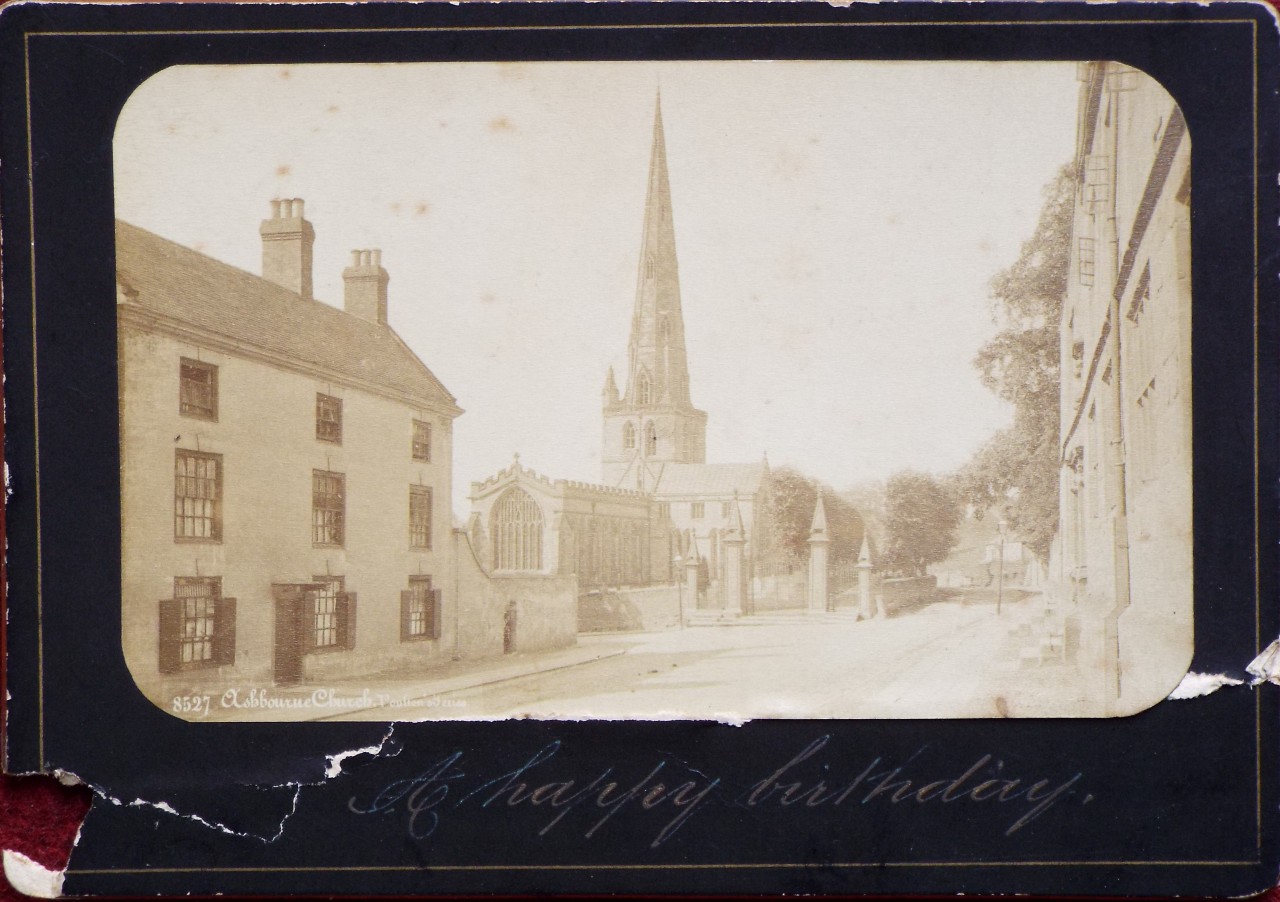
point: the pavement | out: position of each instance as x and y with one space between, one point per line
953 658
399 696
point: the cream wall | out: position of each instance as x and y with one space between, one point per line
1134 652
266 435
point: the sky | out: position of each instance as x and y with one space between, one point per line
837 225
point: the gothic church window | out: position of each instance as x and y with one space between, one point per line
650 439
644 388
517 532
628 437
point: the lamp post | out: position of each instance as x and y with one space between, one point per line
1001 526
676 562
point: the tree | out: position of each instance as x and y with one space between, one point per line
1016 472
789 512
921 516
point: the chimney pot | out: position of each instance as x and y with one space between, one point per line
365 286
287 240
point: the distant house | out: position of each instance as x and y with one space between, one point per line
1123 558
286 473
980 554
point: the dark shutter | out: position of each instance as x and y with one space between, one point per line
346 609
437 616
170 635
224 631
305 625
406 605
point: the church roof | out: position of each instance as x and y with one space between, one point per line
173 281
710 479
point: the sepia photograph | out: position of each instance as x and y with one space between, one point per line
654 390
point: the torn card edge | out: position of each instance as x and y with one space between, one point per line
31 878
333 769
1265 668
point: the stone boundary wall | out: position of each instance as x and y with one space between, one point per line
907 594
631 610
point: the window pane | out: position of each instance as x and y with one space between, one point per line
326 611
420 516
198 389
421 441
199 596
328 507
197 491
328 418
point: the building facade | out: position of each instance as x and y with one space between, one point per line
286 472
1124 548
609 538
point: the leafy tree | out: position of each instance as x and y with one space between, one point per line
921 516
792 499
1016 472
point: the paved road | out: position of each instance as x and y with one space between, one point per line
949 659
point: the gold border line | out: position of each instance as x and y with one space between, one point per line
1257 443
35 413
624 27
630 27
674 866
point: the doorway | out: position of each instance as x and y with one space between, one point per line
509 629
295 605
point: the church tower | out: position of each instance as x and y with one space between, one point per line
653 422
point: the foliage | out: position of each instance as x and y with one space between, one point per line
921 516
1016 472
792 499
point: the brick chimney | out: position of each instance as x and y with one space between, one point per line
365 286
286 247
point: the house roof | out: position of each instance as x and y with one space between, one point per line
710 479
182 284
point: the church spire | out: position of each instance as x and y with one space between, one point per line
658 371
654 422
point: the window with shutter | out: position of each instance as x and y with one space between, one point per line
418 610
326 619
197 627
